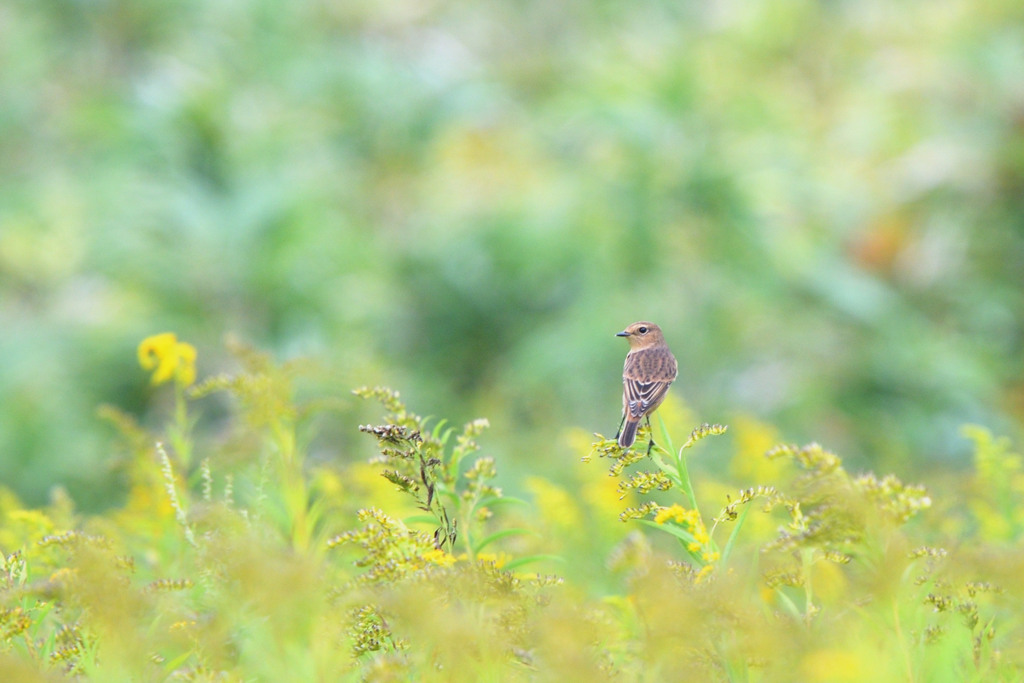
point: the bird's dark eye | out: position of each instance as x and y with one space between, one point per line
642 329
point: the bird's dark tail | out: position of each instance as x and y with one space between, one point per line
628 435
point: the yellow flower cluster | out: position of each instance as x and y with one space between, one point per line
691 520
168 358
438 557
678 514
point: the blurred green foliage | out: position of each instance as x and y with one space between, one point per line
822 203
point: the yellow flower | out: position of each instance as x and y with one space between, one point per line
499 560
677 513
704 573
168 358
690 520
832 664
439 557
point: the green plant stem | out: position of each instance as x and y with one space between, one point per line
903 641
732 537
807 561
467 534
684 477
295 492
180 435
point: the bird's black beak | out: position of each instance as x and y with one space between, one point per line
622 334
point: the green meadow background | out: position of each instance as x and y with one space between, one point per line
821 203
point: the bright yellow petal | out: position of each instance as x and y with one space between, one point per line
186 352
152 349
165 369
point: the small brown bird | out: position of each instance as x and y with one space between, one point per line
650 369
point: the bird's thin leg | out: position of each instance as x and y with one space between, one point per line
620 426
650 435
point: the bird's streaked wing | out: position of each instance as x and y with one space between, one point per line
642 396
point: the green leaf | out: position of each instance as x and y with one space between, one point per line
420 519
491 501
735 532
49 643
789 605
669 470
671 529
172 664
670 448
451 496
684 476
437 428
498 535
521 561
679 474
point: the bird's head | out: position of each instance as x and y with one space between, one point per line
642 334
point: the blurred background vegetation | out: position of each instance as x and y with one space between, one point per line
822 203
